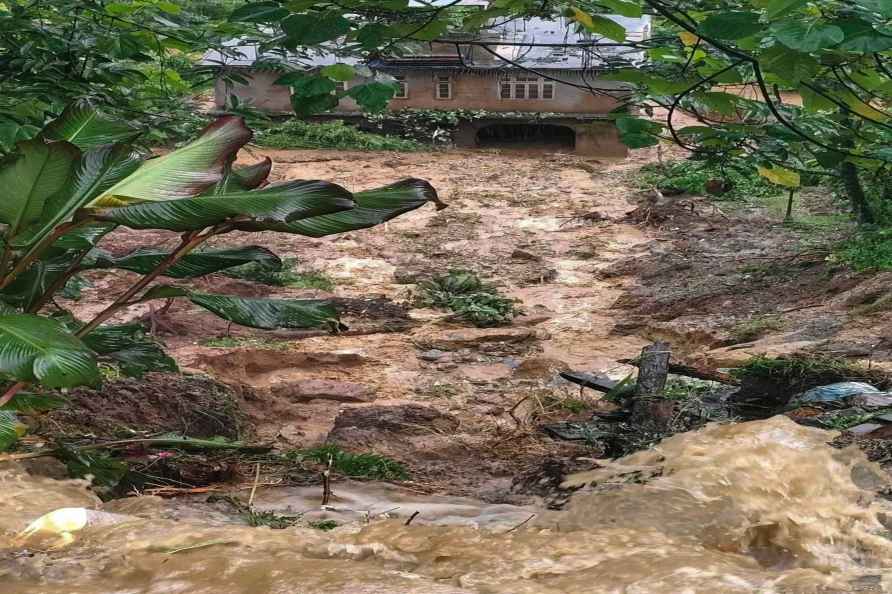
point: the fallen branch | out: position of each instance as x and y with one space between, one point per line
696 372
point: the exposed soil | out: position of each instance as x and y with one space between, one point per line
599 271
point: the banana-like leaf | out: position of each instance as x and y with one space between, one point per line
29 177
30 402
34 348
273 205
189 266
82 125
253 176
11 429
185 172
33 283
98 170
83 237
243 178
373 207
130 349
266 314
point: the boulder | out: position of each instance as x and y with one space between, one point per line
464 338
321 389
362 422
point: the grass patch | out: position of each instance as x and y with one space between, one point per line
464 293
283 275
755 328
232 342
871 249
366 465
324 525
295 133
692 176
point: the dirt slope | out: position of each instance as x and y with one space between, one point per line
551 230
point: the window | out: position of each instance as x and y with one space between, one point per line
525 87
444 87
402 89
340 86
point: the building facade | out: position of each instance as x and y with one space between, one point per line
538 78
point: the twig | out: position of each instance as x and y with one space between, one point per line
521 524
12 391
326 481
256 482
412 517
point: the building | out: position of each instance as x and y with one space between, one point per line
538 79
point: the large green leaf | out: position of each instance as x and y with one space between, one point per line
626 8
130 349
373 207
11 429
97 170
788 65
779 8
861 37
82 125
731 25
253 176
34 348
83 237
242 178
266 314
30 285
274 204
184 172
30 402
30 177
807 36
599 24
312 29
372 96
191 265
259 12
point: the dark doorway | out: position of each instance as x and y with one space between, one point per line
526 135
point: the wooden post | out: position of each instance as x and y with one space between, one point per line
650 410
653 367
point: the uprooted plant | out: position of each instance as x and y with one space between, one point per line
80 178
469 297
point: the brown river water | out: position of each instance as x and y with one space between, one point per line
764 506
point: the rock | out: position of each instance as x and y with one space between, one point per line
321 389
461 338
432 355
872 401
864 428
407 277
884 432
539 367
520 254
362 422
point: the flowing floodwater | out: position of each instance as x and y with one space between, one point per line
764 506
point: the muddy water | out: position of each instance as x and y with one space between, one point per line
761 507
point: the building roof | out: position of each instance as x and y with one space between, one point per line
533 43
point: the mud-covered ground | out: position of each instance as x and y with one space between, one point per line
461 407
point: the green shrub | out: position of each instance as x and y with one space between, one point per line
754 328
870 249
691 176
296 133
366 465
281 275
465 294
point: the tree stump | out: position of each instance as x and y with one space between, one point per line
650 410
